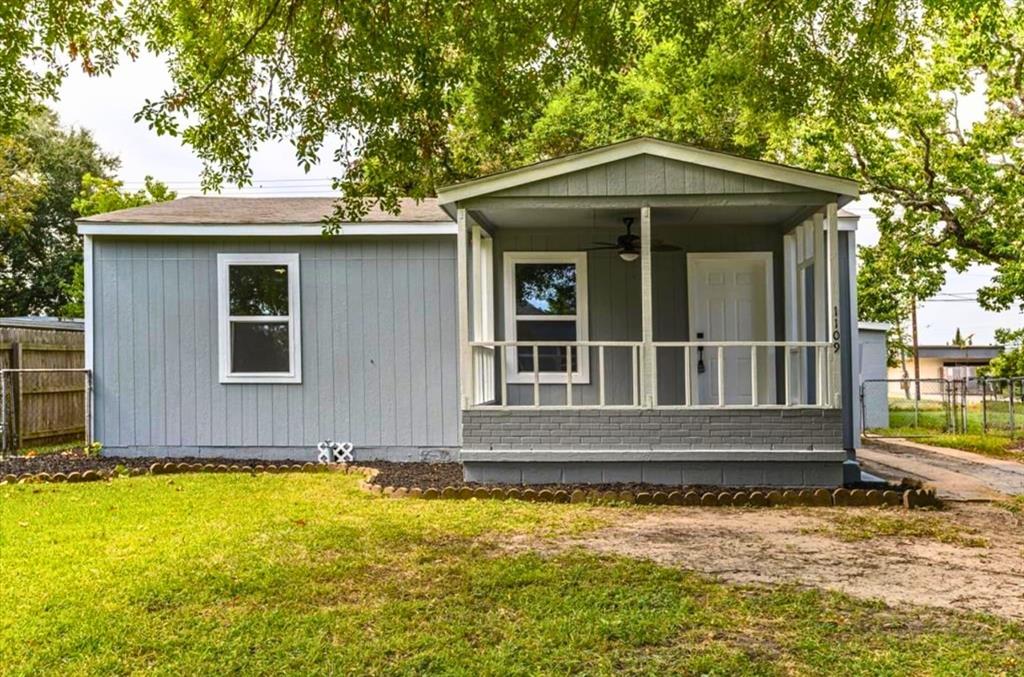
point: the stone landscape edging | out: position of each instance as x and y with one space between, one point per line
908 498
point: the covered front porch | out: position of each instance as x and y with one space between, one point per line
651 297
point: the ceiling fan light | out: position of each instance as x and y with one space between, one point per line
629 256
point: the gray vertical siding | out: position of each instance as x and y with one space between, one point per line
378 347
614 298
647 175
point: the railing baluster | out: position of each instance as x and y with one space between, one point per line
536 377
787 401
503 355
721 376
568 376
687 385
820 358
634 354
600 371
753 376
654 376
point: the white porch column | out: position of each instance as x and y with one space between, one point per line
792 313
820 303
462 284
835 380
647 380
90 306
482 361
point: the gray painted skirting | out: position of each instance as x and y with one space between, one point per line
714 473
303 454
645 456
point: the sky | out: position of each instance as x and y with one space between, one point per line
107 105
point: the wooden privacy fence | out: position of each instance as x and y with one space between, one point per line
43 394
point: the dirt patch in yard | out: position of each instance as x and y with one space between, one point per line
969 557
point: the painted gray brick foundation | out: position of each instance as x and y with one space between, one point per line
762 429
673 473
724 447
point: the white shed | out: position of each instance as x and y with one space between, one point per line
871 338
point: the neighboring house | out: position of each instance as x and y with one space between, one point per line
874 360
641 311
942 362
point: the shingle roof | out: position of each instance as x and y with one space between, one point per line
263 210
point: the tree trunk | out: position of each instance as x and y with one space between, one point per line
917 358
905 384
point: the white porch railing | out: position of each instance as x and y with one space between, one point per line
806 372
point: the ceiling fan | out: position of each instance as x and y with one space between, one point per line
628 244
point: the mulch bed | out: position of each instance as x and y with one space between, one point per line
439 475
77 461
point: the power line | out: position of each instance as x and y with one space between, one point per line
197 182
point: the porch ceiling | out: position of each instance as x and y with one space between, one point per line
708 216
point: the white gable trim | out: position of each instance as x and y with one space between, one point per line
644 146
264 229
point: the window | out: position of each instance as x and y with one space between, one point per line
258 316
546 300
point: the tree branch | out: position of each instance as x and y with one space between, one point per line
222 68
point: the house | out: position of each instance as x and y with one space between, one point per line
639 311
938 364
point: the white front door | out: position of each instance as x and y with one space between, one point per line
730 299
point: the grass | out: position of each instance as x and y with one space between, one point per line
201 574
994 446
931 424
1014 504
51 448
870 524
931 416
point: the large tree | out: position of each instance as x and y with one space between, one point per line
39 254
412 94
945 159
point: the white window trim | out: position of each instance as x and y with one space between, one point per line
294 374
581 374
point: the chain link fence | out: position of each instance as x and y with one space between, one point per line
1003 406
959 406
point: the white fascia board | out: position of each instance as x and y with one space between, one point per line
671 151
264 229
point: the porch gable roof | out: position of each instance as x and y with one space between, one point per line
730 173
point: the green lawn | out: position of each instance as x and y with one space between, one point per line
996 446
301 573
931 422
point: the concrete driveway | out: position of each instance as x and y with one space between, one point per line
956 475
